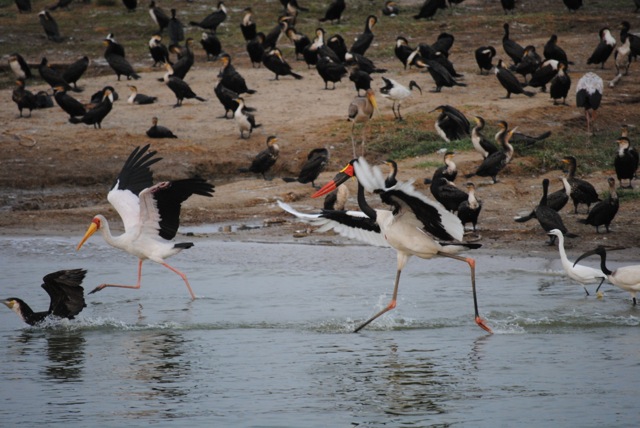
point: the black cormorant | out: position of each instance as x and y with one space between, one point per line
451 124
603 51
248 25
157 49
334 11
179 87
330 71
255 49
549 218
96 115
497 161
429 8
582 192
211 45
265 159
159 16
118 63
316 162
484 57
175 29
75 71
603 212
560 85
23 98
65 292
230 77
553 51
509 81
441 76
50 26
214 19
19 67
274 61
626 162
511 47
363 41
137 98
67 103
158 131
390 8
469 210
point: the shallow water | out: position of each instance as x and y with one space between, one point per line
268 343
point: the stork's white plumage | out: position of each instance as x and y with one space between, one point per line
150 214
417 225
580 273
397 92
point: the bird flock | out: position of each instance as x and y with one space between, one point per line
416 225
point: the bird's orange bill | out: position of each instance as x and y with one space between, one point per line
90 231
482 325
346 173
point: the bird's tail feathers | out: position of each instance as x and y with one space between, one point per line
74 120
570 235
525 218
251 91
289 179
183 245
136 76
200 98
296 75
529 93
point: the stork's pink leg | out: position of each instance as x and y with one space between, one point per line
184 278
135 287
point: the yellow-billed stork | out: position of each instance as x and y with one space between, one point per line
150 213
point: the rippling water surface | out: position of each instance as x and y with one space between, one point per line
268 343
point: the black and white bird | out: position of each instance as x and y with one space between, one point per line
214 19
509 81
159 131
484 58
244 119
451 124
96 115
390 8
603 212
19 67
157 49
589 92
582 192
604 49
560 85
248 25
23 98
549 218
150 214
497 161
179 87
397 93
264 160
211 45
481 143
579 273
469 210
159 16
626 162
626 278
316 162
137 98
50 26
65 293
415 226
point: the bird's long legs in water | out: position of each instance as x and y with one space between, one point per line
472 265
137 286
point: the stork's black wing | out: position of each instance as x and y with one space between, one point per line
136 174
169 197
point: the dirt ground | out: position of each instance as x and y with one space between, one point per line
55 175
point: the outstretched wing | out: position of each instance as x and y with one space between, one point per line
65 291
160 205
351 224
134 177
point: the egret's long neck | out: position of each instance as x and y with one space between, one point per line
563 254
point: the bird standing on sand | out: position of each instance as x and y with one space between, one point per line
361 110
479 141
334 11
274 61
626 162
604 49
604 211
246 121
484 57
397 92
67 103
118 63
96 115
582 192
65 293
23 98
509 81
265 159
451 124
150 213
317 160
75 70
179 87
50 26
469 210
214 19
589 96
549 218
497 161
